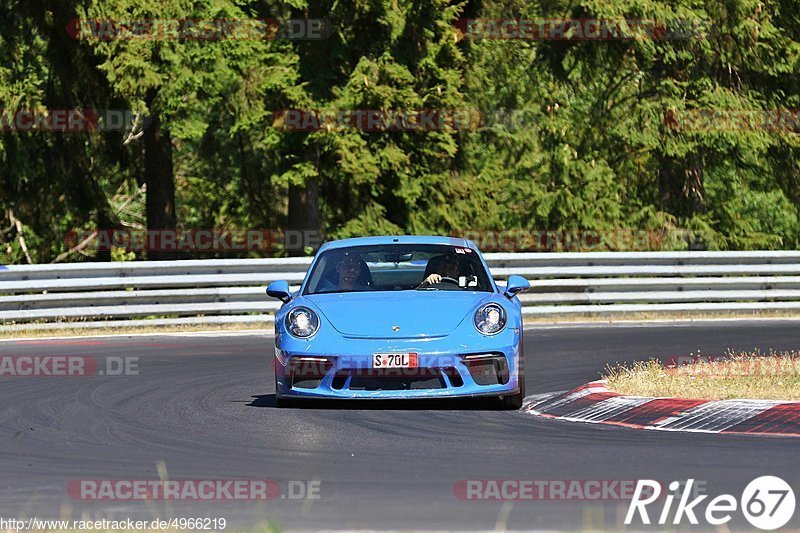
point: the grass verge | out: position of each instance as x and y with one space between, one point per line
752 375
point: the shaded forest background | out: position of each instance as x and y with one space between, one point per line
602 145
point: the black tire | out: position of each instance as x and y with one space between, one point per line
282 402
514 402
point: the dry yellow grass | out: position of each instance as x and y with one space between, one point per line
774 376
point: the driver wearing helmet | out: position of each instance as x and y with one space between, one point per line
440 266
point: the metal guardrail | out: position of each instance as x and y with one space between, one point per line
232 290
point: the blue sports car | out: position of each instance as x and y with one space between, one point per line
399 317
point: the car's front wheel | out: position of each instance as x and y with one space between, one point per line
514 401
283 402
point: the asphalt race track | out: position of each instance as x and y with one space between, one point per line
201 407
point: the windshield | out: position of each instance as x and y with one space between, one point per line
398 267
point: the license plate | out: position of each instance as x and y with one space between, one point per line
395 360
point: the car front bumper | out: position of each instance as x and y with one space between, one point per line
474 365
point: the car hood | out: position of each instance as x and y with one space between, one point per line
415 313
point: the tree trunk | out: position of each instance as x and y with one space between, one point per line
304 220
158 175
680 184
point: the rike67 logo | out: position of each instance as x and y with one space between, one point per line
767 503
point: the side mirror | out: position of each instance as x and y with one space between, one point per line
279 290
516 285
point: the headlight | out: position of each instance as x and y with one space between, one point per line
490 319
302 322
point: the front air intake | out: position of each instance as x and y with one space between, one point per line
307 372
487 369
